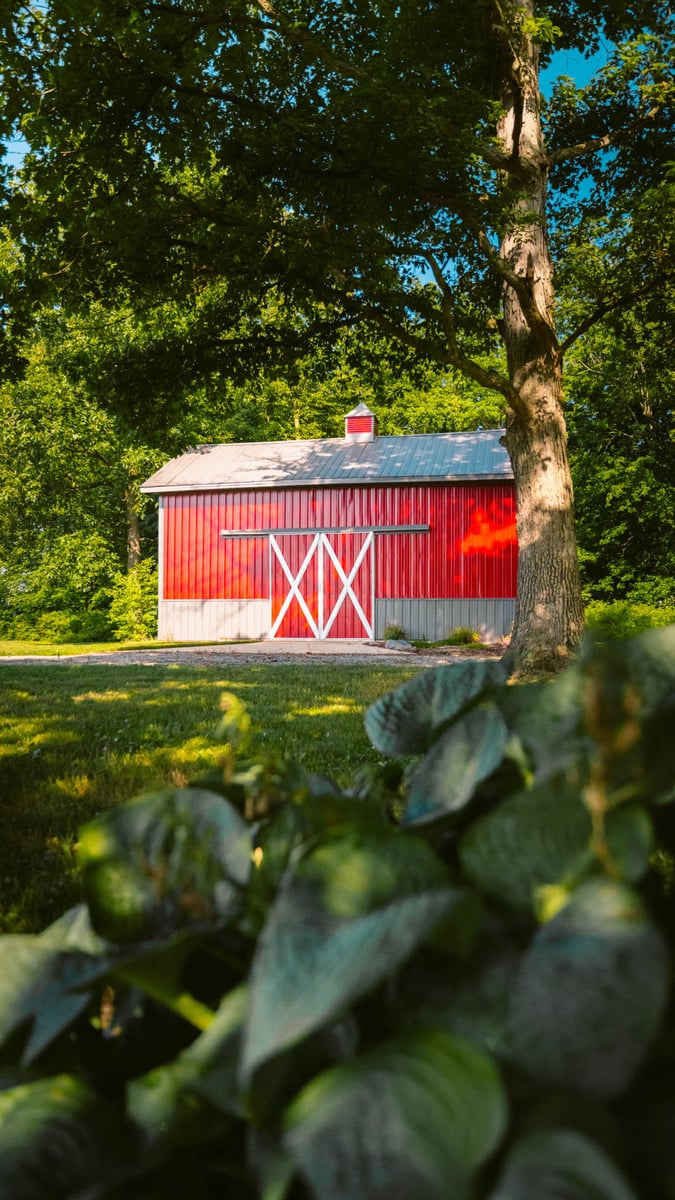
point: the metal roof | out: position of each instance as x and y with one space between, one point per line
413 458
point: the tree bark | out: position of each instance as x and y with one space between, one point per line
549 610
133 531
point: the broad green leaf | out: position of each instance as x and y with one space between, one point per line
414 1117
44 985
590 992
560 1164
630 840
353 910
56 1137
462 757
538 838
546 719
628 704
471 1003
164 862
73 930
185 1101
409 719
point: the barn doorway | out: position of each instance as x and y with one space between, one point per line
322 585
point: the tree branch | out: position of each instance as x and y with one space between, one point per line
521 284
601 143
452 356
608 306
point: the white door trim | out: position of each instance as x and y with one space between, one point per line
295 581
324 622
347 581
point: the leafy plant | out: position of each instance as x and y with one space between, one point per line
274 988
394 633
624 619
133 607
461 635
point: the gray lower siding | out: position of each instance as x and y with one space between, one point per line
434 619
211 620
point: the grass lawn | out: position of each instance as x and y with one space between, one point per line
62 649
75 740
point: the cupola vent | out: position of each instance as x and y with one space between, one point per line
360 425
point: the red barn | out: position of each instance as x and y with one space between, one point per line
338 537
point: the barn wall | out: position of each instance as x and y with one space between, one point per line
469 552
212 620
434 619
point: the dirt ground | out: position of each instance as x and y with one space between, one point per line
272 652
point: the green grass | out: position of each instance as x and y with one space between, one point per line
59 649
75 740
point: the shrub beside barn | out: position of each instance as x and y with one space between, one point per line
338 537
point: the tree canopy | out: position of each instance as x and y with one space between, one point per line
395 164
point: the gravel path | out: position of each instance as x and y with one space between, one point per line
272 653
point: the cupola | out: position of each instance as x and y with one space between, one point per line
360 425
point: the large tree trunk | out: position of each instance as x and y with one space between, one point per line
549 610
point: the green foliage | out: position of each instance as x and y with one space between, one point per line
624 619
462 636
619 386
394 633
133 604
276 982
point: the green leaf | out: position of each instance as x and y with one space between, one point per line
560 1164
409 719
164 862
42 984
185 1101
56 1137
630 840
449 774
353 910
546 719
539 838
590 992
413 1118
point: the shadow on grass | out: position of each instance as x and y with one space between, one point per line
75 740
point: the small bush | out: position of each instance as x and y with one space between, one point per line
623 619
133 608
92 625
395 633
462 636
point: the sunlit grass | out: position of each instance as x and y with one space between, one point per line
66 649
76 740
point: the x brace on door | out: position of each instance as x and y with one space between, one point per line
322 626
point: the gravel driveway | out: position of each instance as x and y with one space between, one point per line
272 652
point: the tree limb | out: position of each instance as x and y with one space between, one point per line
521 285
609 306
451 356
592 145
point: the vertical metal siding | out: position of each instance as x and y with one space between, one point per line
470 550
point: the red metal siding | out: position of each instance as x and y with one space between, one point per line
470 550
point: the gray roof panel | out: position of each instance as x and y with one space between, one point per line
413 458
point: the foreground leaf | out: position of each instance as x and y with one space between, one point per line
186 1100
56 1137
539 838
409 719
44 984
411 1119
164 862
560 1164
351 913
590 992
447 777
